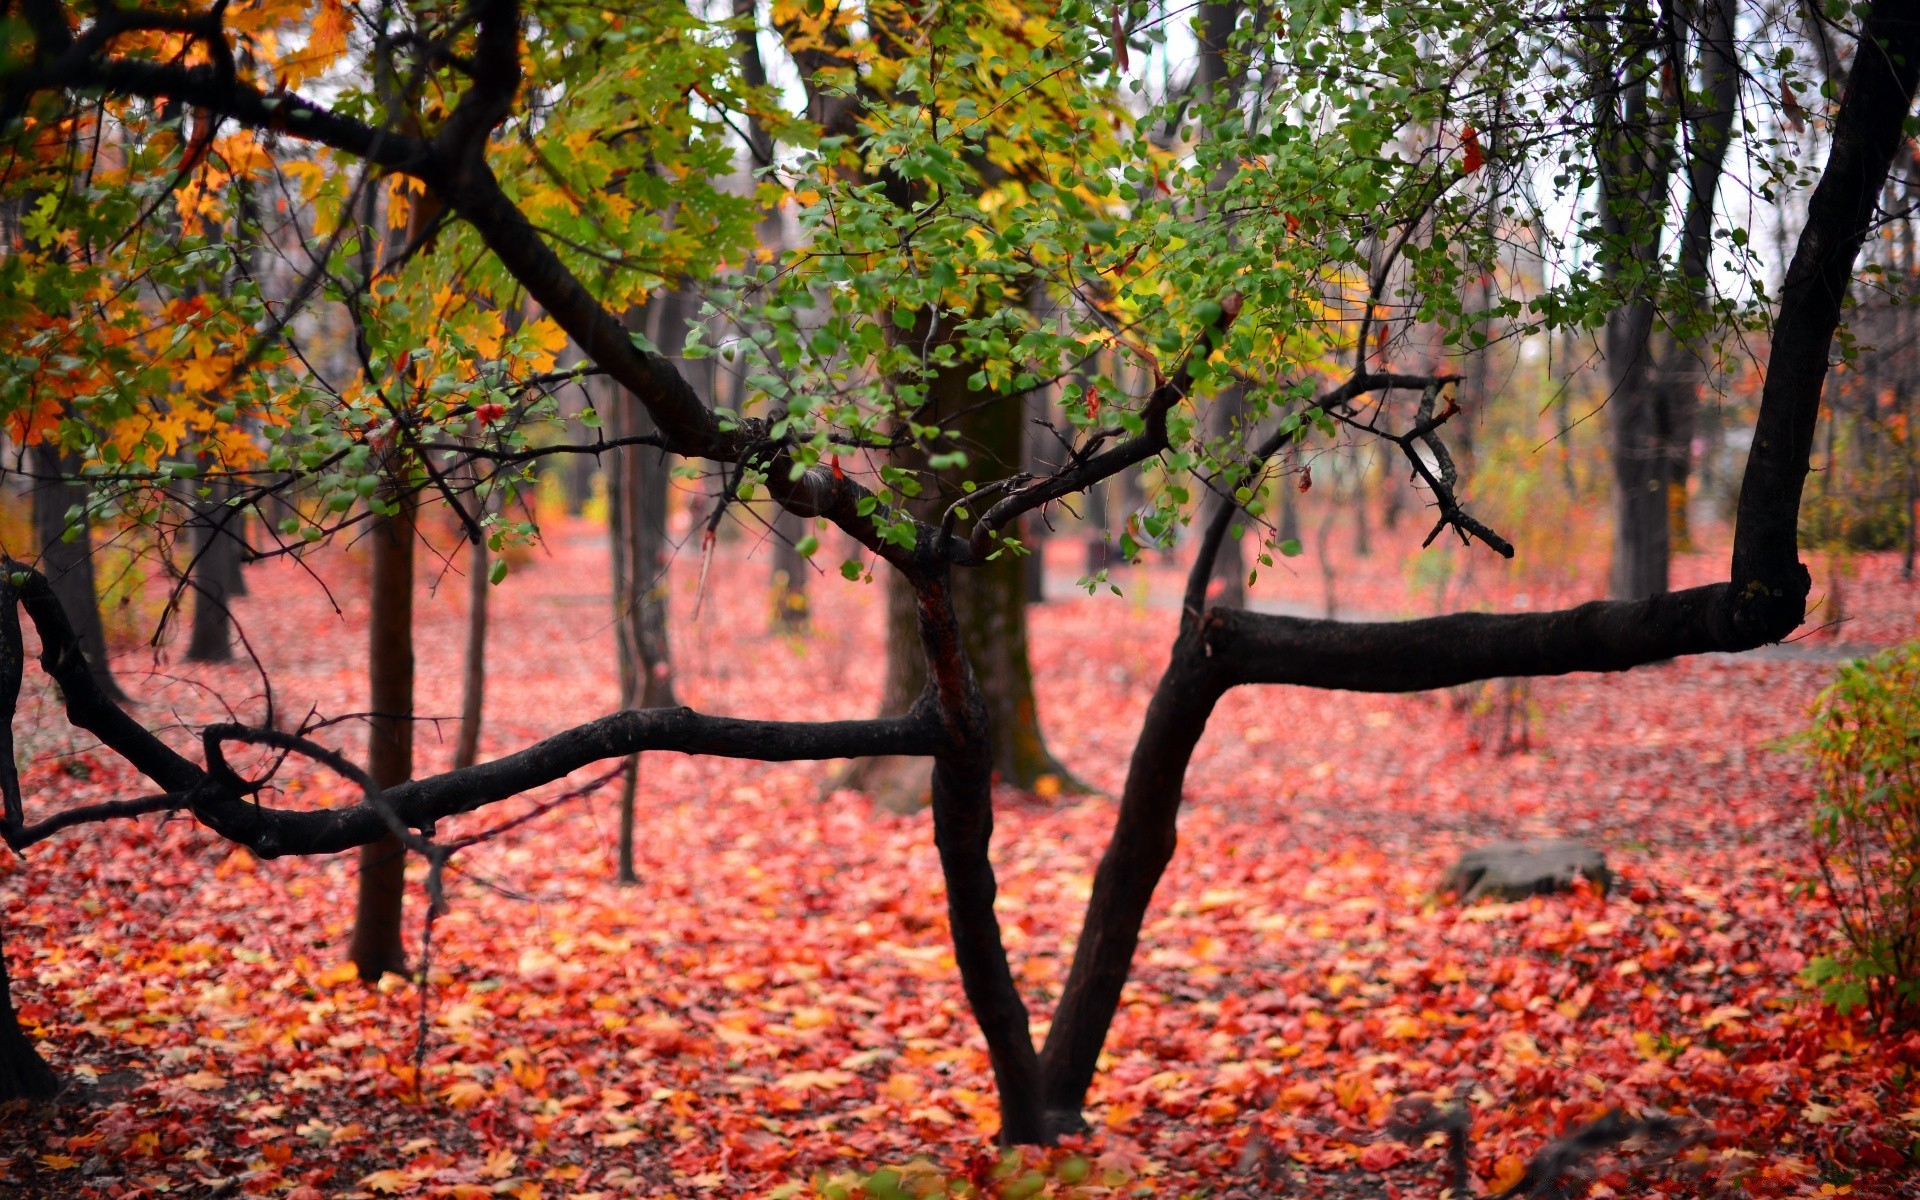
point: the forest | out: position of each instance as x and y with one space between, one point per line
921 598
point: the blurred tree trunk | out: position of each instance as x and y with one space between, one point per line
1680 368
68 565
218 546
790 568
473 674
637 479
989 601
1635 164
376 947
1226 417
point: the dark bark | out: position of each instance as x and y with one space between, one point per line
69 565
790 570
1680 366
637 527
473 672
962 789
1635 158
1227 415
24 1075
214 576
1144 838
376 947
990 600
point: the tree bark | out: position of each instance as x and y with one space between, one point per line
1679 369
637 479
790 568
1227 415
69 565
24 1075
214 577
473 674
1635 157
376 947
990 601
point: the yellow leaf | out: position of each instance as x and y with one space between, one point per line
308 174
545 340
58 1162
464 1093
391 1183
204 1081
500 1164
1726 1014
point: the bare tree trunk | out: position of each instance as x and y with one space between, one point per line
1033 529
473 674
214 577
637 479
376 947
1680 368
990 602
1227 416
68 565
1635 181
790 568
24 1075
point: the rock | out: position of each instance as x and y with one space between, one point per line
1515 870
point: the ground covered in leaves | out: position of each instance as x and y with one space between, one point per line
777 999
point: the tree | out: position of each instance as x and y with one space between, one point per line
637 525
1655 374
1236 318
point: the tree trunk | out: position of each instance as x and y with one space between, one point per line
1638 435
637 478
1226 417
790 568
990 601
376 947
68 565
473 675
1679 370
24 1075
214 577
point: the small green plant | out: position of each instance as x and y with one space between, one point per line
1865 742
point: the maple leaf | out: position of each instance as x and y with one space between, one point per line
388 1182
465 1093
1472 156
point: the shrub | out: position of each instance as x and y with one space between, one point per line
1865 742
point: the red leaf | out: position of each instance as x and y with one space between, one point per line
1474 155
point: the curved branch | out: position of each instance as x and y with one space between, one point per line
419 803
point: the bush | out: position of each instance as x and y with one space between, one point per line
1865 741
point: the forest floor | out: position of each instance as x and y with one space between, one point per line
777 996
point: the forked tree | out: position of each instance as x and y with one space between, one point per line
1213 340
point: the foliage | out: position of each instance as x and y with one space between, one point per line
1865 741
